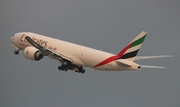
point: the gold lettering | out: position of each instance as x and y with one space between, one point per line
22 39
45 43
38 41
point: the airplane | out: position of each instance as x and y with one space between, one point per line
75 57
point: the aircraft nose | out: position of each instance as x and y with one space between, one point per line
12 39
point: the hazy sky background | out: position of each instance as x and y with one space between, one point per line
102 24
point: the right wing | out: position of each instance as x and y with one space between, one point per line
151 57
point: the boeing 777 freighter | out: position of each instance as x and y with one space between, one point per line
75 57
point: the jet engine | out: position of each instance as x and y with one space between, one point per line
33 53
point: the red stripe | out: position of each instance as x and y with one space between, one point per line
112 58
124 50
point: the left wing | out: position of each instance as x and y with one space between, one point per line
47 52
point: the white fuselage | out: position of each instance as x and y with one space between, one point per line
80 55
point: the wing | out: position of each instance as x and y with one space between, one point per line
151 57
47 52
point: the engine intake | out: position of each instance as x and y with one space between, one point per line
33 53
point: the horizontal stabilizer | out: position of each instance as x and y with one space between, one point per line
151 57
149 66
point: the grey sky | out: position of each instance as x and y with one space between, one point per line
102 24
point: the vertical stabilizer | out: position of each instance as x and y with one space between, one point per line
131 50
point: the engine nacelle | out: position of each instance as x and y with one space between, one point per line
33 53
